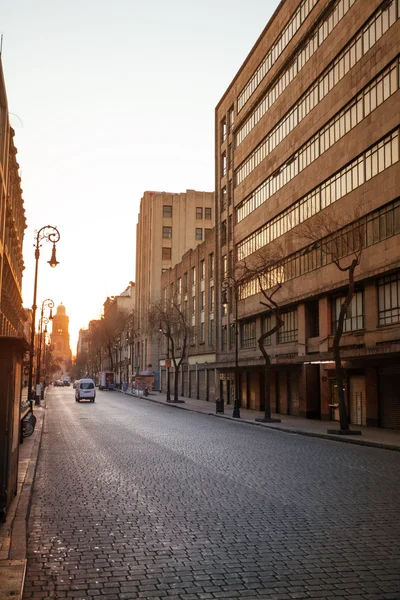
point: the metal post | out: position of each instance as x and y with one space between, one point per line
32 349
167 371
236 404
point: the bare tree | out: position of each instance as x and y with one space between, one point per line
341 238
106 331
265 267
169 319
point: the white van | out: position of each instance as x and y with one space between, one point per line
85 390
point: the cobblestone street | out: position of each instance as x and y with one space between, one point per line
137 500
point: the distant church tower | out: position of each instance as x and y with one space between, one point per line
60 335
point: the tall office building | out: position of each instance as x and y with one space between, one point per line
168 226
310 125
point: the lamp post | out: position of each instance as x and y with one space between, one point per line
236 401
167 366
49 304
50 233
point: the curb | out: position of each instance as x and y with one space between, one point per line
325 436
19 530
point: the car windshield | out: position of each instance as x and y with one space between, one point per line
87 385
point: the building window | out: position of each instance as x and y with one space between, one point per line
193 304
223 199
167 232
224 266
232 335
202 340
193 276
354 318
192 334
179 286
224 338
185 283
166 253
202 300
288 331
199 233
211 299
211 332
223 161
167 211
248 334
207 213
223 233
202 269
199 212
231 118
389 299
267 326
223 130
211 265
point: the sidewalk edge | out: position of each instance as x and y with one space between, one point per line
19 531
325 436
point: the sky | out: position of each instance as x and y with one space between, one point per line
108 100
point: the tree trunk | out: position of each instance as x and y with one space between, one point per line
176 377
340 372
267 382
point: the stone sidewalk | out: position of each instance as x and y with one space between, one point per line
13 533
388 439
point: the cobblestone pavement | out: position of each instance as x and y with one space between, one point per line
137 500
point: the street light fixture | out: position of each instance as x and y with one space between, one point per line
50 233
48 303
225 287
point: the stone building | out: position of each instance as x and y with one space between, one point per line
12 316
191 283
168 226
309 126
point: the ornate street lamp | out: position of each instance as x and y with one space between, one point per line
225 287
48 303
50 233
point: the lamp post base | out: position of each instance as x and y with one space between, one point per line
236 410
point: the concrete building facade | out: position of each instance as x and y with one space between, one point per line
168 226
191 283
310 126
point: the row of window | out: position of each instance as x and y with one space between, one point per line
276 50
273 93
167 212
167 233
372 162
388 314
379 225
378 90
227 124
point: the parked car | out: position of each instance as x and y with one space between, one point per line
85 390
75 384
58 383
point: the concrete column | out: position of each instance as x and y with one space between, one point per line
324 322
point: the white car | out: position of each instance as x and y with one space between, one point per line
85 390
